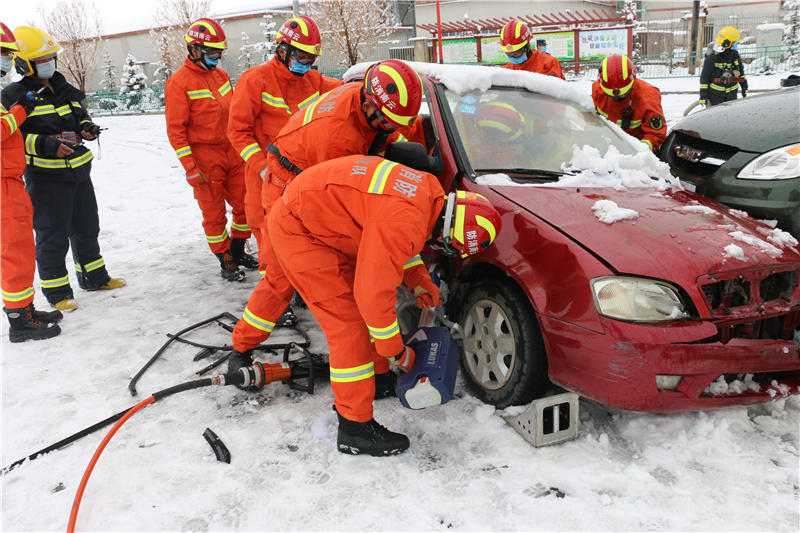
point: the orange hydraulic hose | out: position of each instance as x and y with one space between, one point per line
77 502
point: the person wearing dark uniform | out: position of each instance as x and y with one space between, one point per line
723 72
57 173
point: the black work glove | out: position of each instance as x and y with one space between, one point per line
91 128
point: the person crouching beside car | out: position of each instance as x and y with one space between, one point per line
632 104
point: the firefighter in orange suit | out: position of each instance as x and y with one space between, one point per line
266 97
632 104
515 41
17 248
198 99
343 233
356 118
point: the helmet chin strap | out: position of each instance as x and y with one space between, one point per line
200 61
372 117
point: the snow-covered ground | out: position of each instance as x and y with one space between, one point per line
734 469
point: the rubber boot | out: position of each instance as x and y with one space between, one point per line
240 257
25 327
238 360
370 438
384 385
230 271
287 320
48 317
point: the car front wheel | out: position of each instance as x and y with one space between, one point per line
503 359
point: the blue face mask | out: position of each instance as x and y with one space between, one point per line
211 63
6 64
518 60
544 49
735 46
300 68
45 71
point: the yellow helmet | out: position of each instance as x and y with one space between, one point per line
33 44
727 36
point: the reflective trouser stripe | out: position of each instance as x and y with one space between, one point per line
94 265
213 239
256 322
356 373
17 296
240 227
57 282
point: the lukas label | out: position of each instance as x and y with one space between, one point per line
433 354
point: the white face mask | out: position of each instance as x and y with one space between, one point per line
6 64
45 71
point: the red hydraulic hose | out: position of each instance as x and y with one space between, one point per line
77 503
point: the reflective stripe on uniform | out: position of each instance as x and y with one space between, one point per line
385 333
354 373
704 86
57 282
240 227
12 121
648 143
248 152
275 101
59 163
225 89
308 101
257 322
309 113
718 87
64 110
17 296
414 261
42 110
201 93
634 124
213 239
94 265
76 104
378 182
183 152
30 143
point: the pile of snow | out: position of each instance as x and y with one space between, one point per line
720 387
640 170
779 237
734 251
703 209
755 242
609 212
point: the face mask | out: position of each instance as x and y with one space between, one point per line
212 63
544 49
46 70
6 64
299 68
735 46
518 60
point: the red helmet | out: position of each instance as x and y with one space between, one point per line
514 36
7 39
206 32
499 121
395 89
616 75
302 33
475 224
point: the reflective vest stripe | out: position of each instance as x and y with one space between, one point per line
12 121
213 239
59 163
248 152
414 261
64 110
57 282
355 373
17 296
380 176
308 101
225 89
275 101
42 110
202 93
183 152
385 333
257 322
240 227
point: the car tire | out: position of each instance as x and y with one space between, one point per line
503 359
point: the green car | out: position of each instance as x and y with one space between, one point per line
744 154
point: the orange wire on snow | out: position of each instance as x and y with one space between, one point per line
77 503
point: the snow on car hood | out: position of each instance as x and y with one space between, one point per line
674 235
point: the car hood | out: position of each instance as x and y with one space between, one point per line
678 235
754 124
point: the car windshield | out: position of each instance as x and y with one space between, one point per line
520 133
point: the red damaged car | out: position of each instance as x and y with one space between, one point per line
607 278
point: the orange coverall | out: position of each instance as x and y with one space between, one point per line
197 105
343 235
265 98
332 127
540 63
17 248
647 123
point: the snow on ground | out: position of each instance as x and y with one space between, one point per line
467 470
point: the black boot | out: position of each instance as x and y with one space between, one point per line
230 271
50 317
240 257
369 438
384 385
24 326
238 360
287 320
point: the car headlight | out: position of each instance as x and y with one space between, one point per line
780 164
637 299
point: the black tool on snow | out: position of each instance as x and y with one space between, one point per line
220 450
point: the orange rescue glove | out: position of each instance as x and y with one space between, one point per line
195 177
404 360
427 295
